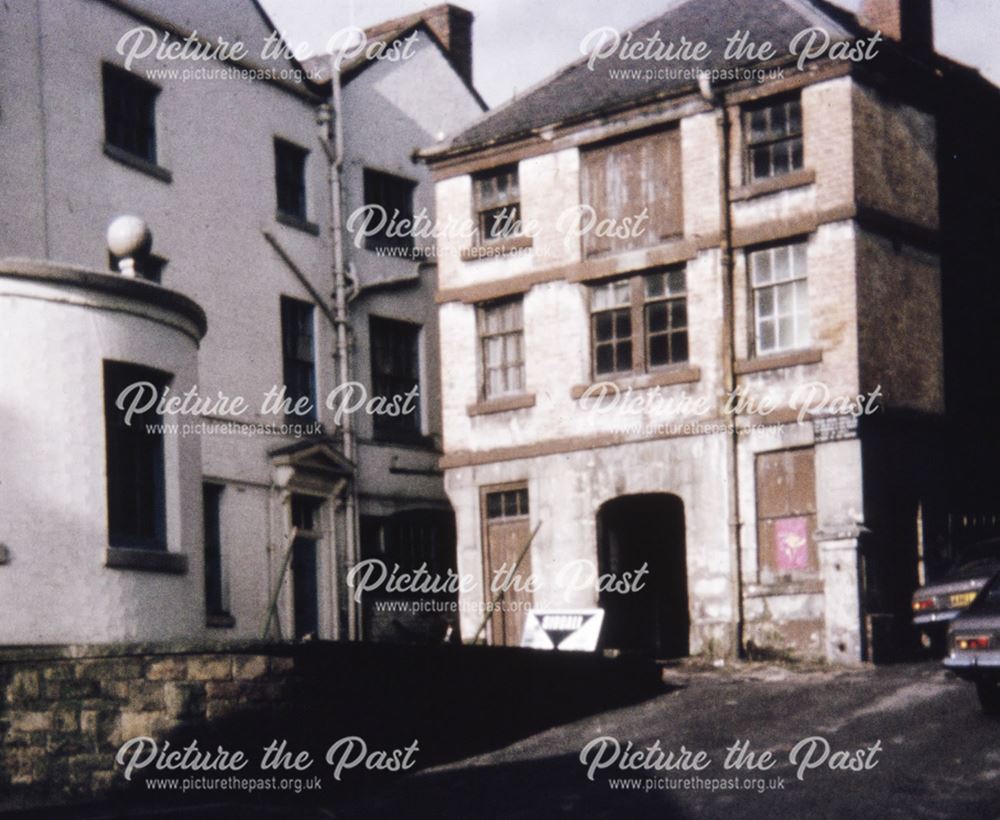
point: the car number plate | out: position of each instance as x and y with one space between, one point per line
962 599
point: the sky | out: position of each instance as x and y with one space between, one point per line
510 55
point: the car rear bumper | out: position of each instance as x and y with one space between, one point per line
939 617
975 665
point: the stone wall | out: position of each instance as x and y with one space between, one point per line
65 711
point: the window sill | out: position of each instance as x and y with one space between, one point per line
499 247
137 163
779 361
291 221
663 378
793 179
220 621
145 560
804 586
503 404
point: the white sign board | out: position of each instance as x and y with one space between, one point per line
563 629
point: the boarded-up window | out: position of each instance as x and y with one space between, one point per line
786 515
626 179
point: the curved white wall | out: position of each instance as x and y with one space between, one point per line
57 325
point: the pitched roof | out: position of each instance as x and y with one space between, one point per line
389 32
576 91
385 33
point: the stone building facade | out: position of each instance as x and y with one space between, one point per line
792 237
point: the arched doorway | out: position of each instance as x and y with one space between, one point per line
639 531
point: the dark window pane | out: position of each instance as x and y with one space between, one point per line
679 347
678 314
507 504
395 365
510 504
498 203
135 464
129 112
676 281
796 153
623 324
761 163
775 147
795 117
623 357
522 502
298 354
494 505
394 195
212 500
654 285
779 121
290 178
605 362
603 327
657 317
659 350
500 223
781 159
305 587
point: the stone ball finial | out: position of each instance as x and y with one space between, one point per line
129 238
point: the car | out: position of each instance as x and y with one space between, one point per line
935 605
974 645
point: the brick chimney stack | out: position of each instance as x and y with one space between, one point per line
910 22
453 27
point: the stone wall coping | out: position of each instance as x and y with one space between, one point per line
106 283
73 652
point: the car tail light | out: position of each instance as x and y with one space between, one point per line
971 642
923 604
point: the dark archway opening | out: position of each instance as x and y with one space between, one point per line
645 531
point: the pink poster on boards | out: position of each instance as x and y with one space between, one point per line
791 542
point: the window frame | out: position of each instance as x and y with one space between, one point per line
482 310
772 138
497 200
370 178
216 593
284 151
389 428
775 316
516 493
126 84
287 303
638 308
133 446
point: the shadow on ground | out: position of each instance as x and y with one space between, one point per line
452 701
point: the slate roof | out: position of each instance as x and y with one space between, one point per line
575 92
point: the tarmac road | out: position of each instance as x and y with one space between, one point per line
928 750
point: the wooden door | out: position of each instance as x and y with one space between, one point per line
506 533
